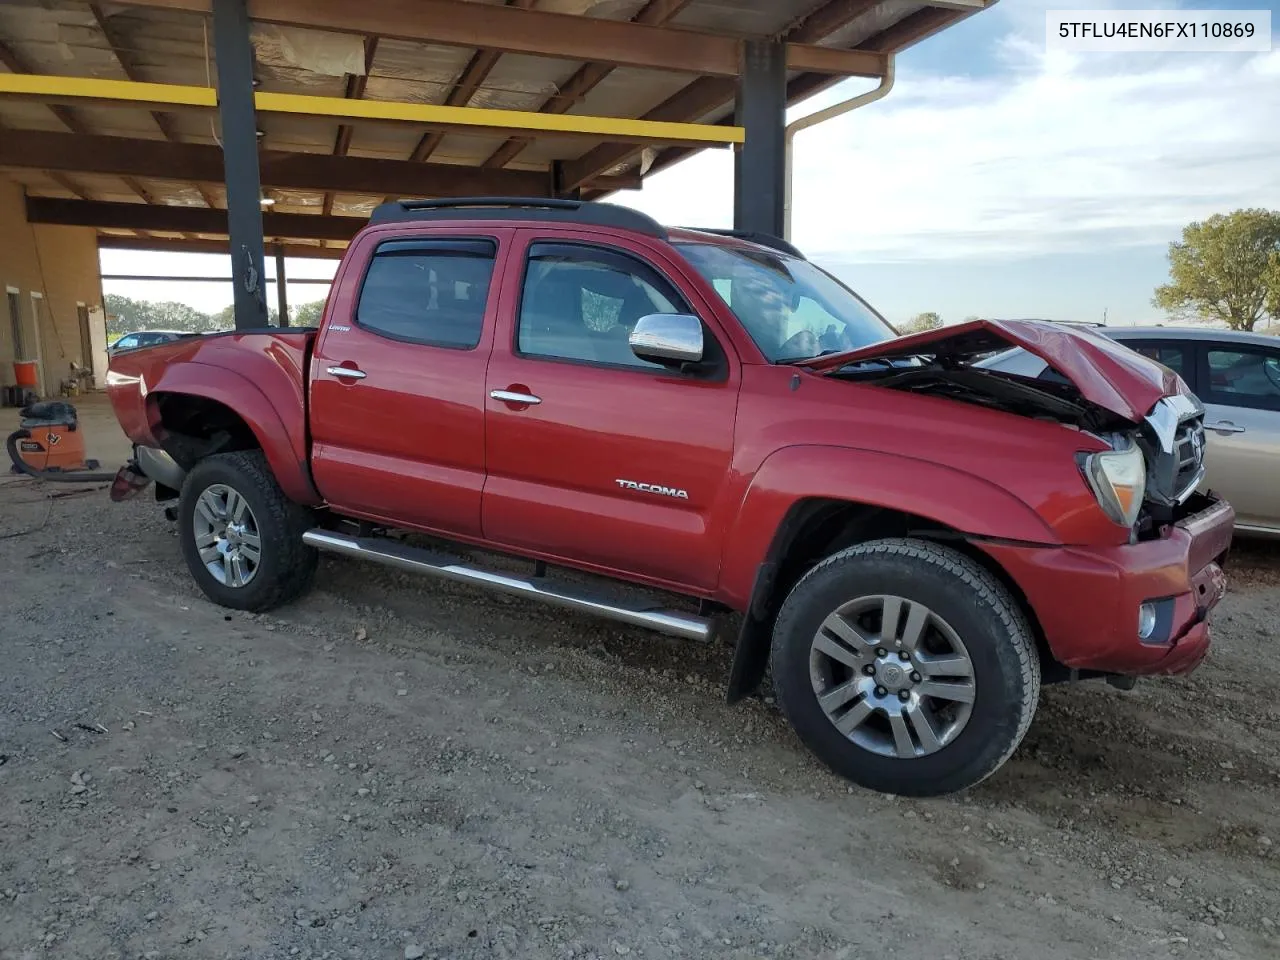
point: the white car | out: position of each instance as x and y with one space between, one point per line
1237 377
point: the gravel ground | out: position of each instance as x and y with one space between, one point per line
392 768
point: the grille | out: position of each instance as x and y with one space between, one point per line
1188 449
1173 476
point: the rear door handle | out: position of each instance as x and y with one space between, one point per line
349 372
1224 426
511 396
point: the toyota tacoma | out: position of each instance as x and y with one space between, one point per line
908 543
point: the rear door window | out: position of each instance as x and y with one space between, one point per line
432 292
1244 376
1175 356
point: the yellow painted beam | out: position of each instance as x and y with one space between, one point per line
48 89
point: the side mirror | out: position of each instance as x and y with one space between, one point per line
668 338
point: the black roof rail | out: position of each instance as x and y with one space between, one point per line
526 208
754 236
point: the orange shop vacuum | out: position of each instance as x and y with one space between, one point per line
49 445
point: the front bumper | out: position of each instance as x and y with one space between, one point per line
1087 599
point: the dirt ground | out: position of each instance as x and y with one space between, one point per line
397 768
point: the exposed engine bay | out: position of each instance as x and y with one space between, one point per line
1038 399
1171 436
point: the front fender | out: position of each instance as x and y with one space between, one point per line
285 450
963 501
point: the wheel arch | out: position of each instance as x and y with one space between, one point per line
201 410
780 534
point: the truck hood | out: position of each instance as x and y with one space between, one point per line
1105 373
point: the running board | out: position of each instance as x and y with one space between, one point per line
417 560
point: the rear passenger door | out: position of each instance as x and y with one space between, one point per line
1239 385
398 378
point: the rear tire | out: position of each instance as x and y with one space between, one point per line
934 703
241 536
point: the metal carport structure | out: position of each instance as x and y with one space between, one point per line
248 125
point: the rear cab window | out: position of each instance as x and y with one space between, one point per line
431 291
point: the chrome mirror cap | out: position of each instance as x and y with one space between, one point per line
667 338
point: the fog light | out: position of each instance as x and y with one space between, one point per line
1146 621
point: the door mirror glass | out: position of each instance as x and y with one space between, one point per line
668 338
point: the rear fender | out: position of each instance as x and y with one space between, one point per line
285 450
768 520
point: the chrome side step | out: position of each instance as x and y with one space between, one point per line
418 560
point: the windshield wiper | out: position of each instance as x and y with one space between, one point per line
794 360
925 358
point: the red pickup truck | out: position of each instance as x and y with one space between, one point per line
912 544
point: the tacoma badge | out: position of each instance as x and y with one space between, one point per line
653 488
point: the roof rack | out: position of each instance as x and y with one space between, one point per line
754 236
525 208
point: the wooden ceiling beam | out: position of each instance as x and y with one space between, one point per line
15 64
163 121
709 94
166 219
587 78
207 245
319 172
465 87
515 29
355 90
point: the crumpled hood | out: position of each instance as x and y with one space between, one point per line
1107 374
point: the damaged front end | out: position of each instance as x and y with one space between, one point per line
1144 412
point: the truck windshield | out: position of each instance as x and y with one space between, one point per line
792 309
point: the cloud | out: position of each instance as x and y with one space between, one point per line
1035 154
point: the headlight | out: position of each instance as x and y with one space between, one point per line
1118 479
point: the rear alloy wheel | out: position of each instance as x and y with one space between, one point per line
226 535
241 536
906 667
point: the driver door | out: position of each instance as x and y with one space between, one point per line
596 457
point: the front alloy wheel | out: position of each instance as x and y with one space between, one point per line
892 676
906 667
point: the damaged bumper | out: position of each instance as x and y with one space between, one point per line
148 464
1137 609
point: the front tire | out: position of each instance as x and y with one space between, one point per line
906 667
241 536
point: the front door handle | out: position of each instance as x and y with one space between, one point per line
350 372
512 396
1224 426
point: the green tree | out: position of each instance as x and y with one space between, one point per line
125 315
308 314
1226 268
921 322
225 319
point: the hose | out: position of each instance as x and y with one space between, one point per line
58 476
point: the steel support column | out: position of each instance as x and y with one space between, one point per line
240 159
282 292
759 187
